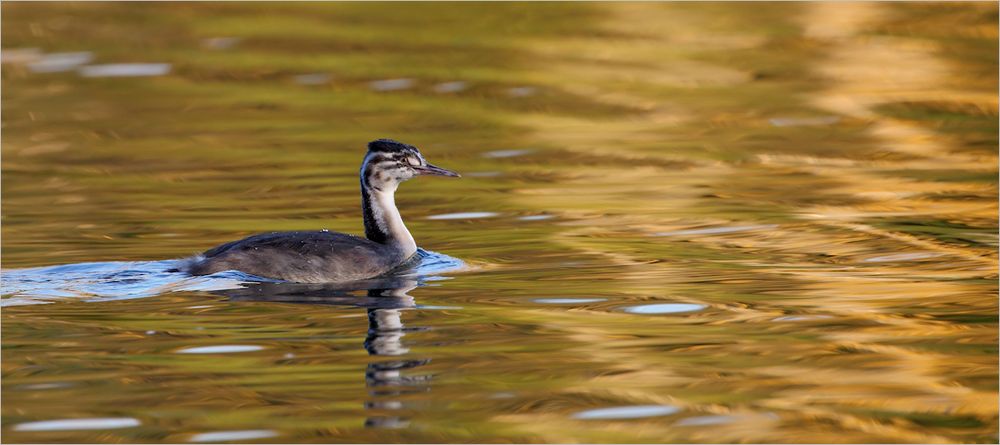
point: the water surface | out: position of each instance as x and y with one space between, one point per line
676 223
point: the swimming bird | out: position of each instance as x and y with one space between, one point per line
324 256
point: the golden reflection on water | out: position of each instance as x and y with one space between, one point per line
821 177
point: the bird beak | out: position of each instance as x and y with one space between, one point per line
435 171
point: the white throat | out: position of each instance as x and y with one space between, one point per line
387 217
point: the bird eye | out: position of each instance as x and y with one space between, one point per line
413 161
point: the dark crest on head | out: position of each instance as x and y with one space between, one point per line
389 146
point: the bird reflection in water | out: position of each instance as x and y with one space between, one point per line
385 300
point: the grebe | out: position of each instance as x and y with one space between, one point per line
326 257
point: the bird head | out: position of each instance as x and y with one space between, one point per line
388 163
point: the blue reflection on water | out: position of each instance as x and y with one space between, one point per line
664 308
78 424
627 412
227 436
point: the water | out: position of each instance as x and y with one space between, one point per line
676 222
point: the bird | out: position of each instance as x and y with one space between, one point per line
331 257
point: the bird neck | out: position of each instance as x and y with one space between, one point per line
383 224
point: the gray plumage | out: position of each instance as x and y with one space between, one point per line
325 257
301 257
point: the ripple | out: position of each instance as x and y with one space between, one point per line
220 43
312 79
391 84
627 412
568 300
721 419
20 55
101 423
804 121
716 230
535 217
902 257
465 215
802 317
225 436
450 87
521 91
664 308
103 281
706 420
220 349
488 174
43 386
60 62
496 154
125 70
